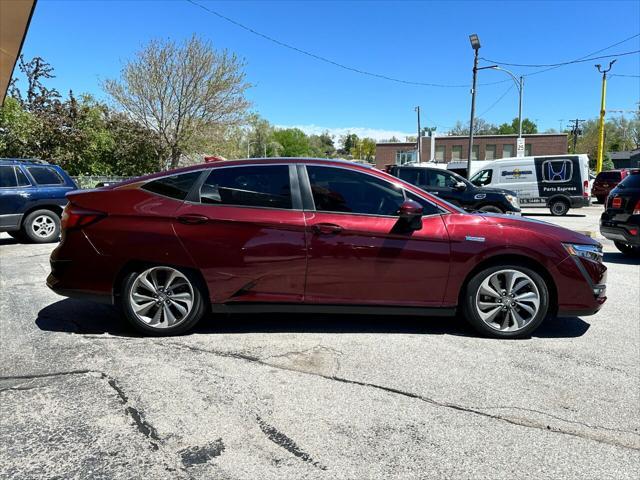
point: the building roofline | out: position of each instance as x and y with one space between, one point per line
510 135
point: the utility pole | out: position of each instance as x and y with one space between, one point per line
602 114
417 109
575 131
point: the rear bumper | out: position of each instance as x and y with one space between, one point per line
620 231
579 202
79 271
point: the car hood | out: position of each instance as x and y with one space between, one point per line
539 227
499 191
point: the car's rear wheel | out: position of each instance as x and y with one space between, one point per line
506 301
162 300
41 226
490 209
559 207
627 249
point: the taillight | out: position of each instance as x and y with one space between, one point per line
585 189
636 209
75 217
616 202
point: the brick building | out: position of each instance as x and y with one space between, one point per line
485 147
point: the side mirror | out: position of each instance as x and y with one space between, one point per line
460 186
410 216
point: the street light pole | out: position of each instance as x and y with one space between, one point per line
602 114
475 44
417 109
520 86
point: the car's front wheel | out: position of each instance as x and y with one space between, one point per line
627 249
490 209
506 301
162 300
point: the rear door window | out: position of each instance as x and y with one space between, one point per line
45 176
175 186
8 177
266 186
23 181
482 178
415 176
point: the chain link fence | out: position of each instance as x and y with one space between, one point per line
85 182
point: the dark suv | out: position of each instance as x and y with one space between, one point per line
32 196
457 190
620 221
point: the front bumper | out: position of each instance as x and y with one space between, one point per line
581 287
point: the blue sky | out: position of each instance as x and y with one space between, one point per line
87 41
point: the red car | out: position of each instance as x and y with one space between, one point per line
605 182
306 235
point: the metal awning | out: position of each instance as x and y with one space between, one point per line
15 16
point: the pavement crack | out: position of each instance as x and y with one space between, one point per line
136 415
143 426
287 443
591 434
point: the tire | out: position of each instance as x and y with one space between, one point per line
159 312
630 250
559 208
501 323
41 226
490 209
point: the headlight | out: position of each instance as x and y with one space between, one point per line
513 201
590 252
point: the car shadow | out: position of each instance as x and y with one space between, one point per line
8 241
88 318
620 258
551 215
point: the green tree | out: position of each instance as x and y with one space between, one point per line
528 127
480 127
181 90
321 145
293 142
348 141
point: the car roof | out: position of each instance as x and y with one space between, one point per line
21 161
249 161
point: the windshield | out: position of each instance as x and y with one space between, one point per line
482 178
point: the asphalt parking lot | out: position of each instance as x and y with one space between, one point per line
285 396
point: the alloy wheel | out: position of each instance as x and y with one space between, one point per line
43 226
507 300
161 297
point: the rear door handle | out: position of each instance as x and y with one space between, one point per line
326 228
192 219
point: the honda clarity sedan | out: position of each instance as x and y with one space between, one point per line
306 235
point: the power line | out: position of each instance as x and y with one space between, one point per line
498 100
321 58
621 75
527 65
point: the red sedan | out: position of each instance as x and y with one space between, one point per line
310 235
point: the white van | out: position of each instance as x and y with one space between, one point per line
559 182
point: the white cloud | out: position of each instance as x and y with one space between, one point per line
376 134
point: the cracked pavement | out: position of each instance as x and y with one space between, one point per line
312 396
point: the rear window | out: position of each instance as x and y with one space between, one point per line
45 176
631 181
7 177
608 176
175 186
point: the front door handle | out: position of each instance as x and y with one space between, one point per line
326 228
191 219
